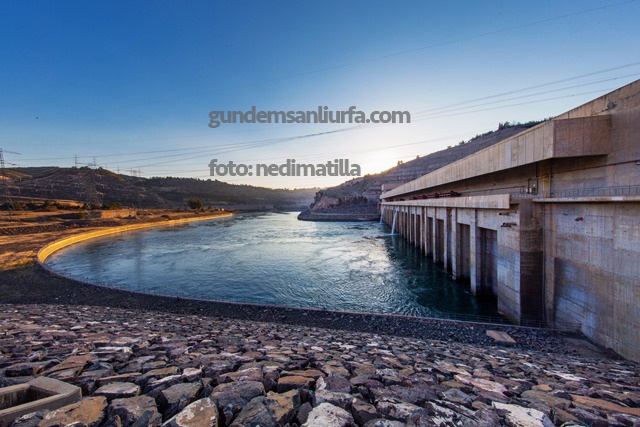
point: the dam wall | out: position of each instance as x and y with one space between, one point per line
547 221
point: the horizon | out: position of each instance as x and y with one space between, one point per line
129 86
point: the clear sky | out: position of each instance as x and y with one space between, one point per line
125 82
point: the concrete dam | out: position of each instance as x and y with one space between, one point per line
546 221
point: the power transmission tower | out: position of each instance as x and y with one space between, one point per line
5 177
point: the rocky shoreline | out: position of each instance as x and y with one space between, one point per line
34 285
138 367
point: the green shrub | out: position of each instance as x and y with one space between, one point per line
195 204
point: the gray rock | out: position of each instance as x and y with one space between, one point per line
118 390
250 374
487 418
333 367
342 400
269 411
90 412
27 368
201 413
134 411
381 422
457 396
363 412
215 368
294 383
328 415
175 398
399 411
303 412
334 383
232 397
29 420
87 381
398 394
519 416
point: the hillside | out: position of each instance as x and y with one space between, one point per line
357 199
101 186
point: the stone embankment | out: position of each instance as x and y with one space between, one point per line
142 368
356 213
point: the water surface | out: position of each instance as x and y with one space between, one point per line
275 259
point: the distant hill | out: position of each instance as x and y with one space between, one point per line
358 198
101 186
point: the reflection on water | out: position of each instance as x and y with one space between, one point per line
275 259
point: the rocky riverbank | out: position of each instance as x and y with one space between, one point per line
139 367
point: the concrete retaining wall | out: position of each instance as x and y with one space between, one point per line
592 271
49 249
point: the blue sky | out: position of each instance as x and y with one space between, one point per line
113 79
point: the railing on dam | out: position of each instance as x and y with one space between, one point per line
626 190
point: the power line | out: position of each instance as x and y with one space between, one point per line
537 86
445 43
515 105
188 152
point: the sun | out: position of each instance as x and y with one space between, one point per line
376 161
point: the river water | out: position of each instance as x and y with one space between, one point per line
273 258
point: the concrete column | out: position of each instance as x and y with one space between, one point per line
416 227
430 232
405 221
438 237
475 256
412 220
448 244
420 229
531 262
425 222
453 241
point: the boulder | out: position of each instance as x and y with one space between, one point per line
519 416
328 415
334 383
232 397
118 390
399 411
363 412
269 411
89 411
342 400
134 411
175 398
381 422
303 412
201 413
294 383
456 395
